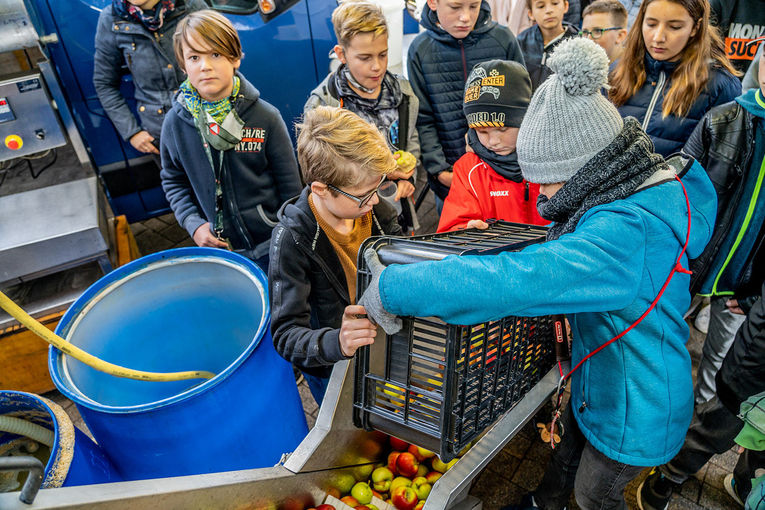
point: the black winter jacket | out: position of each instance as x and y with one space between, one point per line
149 57
669 134
723 144
259 174
742 373
535 53
438 67
307 285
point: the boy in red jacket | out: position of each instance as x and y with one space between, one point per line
487 182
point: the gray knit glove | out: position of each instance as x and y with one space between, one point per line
371 301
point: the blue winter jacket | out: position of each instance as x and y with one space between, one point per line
438 66
633 400
535 53
669 134
149 57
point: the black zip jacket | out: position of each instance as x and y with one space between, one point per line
259 174
307 285
742 373
723 144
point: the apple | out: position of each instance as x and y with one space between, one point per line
350 501
362 472
381 479
433 477
377 495
439 466
399 481
451 464
325 507
362 493
361 507
343 482
392 457
420 504
372 507
421 487
398 444
425 454
422 470
404 498
415 450
334 492
407 465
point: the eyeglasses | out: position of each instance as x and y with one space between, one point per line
596 33
363 200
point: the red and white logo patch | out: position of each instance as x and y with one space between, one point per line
214 128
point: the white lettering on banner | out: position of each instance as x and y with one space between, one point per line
499 193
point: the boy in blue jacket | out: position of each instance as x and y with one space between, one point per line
459 34
538 41
620 225
227 159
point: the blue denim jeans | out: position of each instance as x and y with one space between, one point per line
597 480
317 385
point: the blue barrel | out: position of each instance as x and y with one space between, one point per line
178 310
74 458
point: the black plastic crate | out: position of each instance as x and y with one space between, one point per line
441 385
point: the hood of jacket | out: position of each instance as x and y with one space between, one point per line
484 23
701 199
753 101
247 98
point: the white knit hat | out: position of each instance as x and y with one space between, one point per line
568 120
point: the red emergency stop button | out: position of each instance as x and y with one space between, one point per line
14 142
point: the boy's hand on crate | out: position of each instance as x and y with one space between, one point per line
371 298
356 330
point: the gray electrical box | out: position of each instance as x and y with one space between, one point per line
28 122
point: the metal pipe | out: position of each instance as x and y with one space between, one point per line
34 479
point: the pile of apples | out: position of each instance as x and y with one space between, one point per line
404 482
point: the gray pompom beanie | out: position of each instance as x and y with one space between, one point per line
568 120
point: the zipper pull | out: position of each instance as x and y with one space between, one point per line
526 190
581 407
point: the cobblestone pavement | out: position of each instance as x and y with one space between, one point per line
520 466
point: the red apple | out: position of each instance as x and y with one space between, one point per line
381 479
334 492
407 465
392 457
361 507
433 477
398 444
350 501
377 495
421 487
404 498
415 450
325 507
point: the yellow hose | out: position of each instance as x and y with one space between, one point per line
103 366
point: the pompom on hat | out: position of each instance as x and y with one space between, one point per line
568 120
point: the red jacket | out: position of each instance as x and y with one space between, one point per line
480 193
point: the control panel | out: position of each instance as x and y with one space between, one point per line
28 121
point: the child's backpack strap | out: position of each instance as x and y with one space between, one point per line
403 123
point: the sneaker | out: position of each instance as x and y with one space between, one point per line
702 319
654 492
730 487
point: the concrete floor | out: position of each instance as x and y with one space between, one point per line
520 466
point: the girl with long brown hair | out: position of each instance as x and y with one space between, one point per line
672 71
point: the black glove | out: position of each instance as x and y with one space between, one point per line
371 301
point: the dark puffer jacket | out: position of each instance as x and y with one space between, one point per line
438 67
307 286
669 134
535 53
150 58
